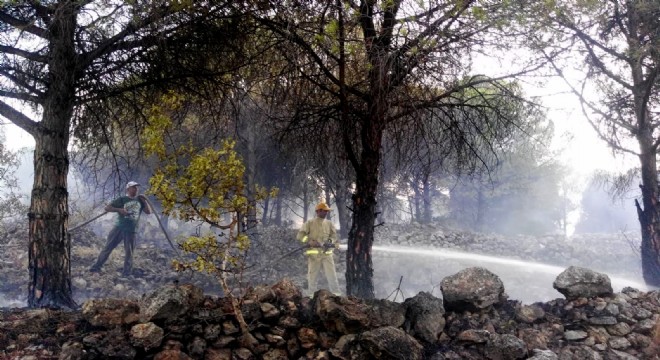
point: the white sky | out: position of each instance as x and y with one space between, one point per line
16 138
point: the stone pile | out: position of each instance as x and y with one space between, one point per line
473 320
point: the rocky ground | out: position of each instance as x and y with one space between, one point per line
161 314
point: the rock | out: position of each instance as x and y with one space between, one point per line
308 338
169 302
424 317
197 347
391 343
269 310
619 329
530 314
110 313
575 335
579 353
543 355
474 336
385 313
341 314
501 347
217 354
275 354
534 339
286 290
172 355
576 282
147 336
471 289
72 350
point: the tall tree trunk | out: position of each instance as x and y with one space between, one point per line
305 200
649 216
278 211
343 216
49 243
359 272
415 211
266 215
426 201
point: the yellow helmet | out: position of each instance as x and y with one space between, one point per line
322 206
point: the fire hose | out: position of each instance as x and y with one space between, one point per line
167 236
87 222
326 246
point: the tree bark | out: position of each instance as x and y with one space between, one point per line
649 216
359 272
49 243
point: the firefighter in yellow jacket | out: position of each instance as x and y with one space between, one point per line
321 238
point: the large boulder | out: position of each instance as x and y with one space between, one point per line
170 302
383 312
110 313
286 290
348 348
425 317
471 289
576 282
341 314
391 343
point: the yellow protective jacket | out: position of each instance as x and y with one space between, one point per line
320 230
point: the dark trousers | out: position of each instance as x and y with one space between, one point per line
114 238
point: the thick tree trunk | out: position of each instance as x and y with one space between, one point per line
359 266
49 244
649 216
359 272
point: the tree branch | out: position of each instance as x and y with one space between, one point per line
18 118
23 25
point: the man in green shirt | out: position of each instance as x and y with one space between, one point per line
128 209
320 236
